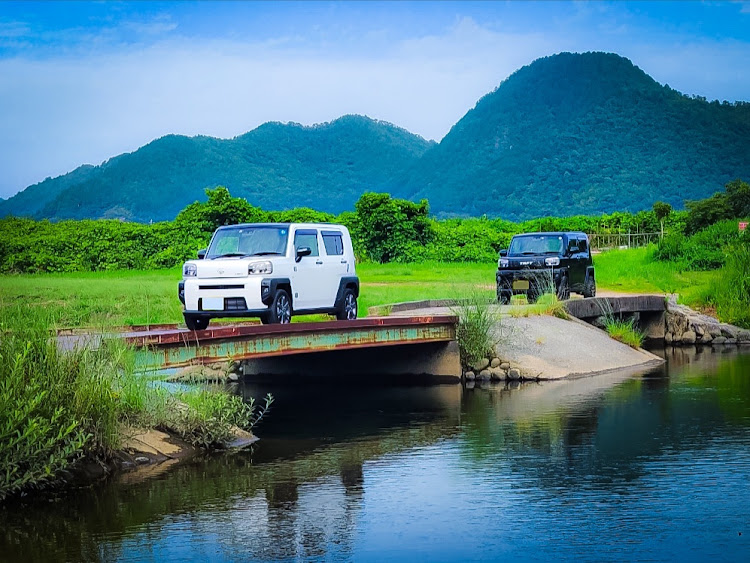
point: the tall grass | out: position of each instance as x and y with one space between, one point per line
477 330
731 296
621 329
57 406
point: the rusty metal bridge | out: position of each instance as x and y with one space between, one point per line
418 344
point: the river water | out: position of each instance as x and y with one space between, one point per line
649 465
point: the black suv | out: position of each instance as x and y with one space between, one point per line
537 262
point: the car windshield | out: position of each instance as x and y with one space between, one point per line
253 240
535 244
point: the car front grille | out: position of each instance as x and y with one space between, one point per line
235 304
236 286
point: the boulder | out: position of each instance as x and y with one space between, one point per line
495 362
730 341
485 375
514 374
479 365
688 337
668 338
729 331
469 376
718 340
505 366
497 374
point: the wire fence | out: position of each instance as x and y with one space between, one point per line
601 241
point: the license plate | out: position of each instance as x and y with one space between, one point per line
521 284
213 303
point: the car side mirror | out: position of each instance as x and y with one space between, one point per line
504 252
201 254
302 251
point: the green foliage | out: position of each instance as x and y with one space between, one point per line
661 210
734 203
477 329
220 209
624 331
206 418
390 229
57 406
731 296
704 250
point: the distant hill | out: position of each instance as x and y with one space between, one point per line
582 133
275 166
567 134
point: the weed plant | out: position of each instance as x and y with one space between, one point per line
731 296
58 406
478 329
622 330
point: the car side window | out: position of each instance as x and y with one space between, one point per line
308 238
333 242
582 245
572 246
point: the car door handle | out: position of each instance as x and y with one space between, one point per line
319 262
343 262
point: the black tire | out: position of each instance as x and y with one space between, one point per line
503 297
196 323
348 310
563 291
589 288
281 308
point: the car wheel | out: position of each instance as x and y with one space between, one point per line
196 323
281 308
563 292
503 297
589 288
348 310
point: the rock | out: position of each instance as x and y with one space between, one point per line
514 374
469 376
505 366
497 374
698 329
481 364
668 338
706 338
688 337
718 340
233 377
714 330
729 331
730 341
485 375
495 362
743 335
141 460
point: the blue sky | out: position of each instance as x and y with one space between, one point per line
81 82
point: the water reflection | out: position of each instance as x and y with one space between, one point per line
571 470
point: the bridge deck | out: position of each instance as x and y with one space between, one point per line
179 347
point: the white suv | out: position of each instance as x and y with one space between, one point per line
271 271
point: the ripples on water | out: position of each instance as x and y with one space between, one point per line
648 466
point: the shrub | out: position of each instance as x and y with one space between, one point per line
477 331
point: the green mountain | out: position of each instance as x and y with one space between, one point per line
275 166
582 134
568 134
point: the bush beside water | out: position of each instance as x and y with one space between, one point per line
57 407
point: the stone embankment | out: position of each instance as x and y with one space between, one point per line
684 326
493 370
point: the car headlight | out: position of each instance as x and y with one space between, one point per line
189 270
552 261
502 263
264 267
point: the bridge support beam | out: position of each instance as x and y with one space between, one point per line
439 359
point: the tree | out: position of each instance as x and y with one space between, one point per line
389 227
738 198
220 209
662 211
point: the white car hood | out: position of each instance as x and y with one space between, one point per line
227 267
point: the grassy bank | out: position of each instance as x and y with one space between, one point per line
59 407
106 299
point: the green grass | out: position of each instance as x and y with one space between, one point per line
635 271
58 406
624 331
109 299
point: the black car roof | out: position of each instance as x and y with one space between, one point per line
554 234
